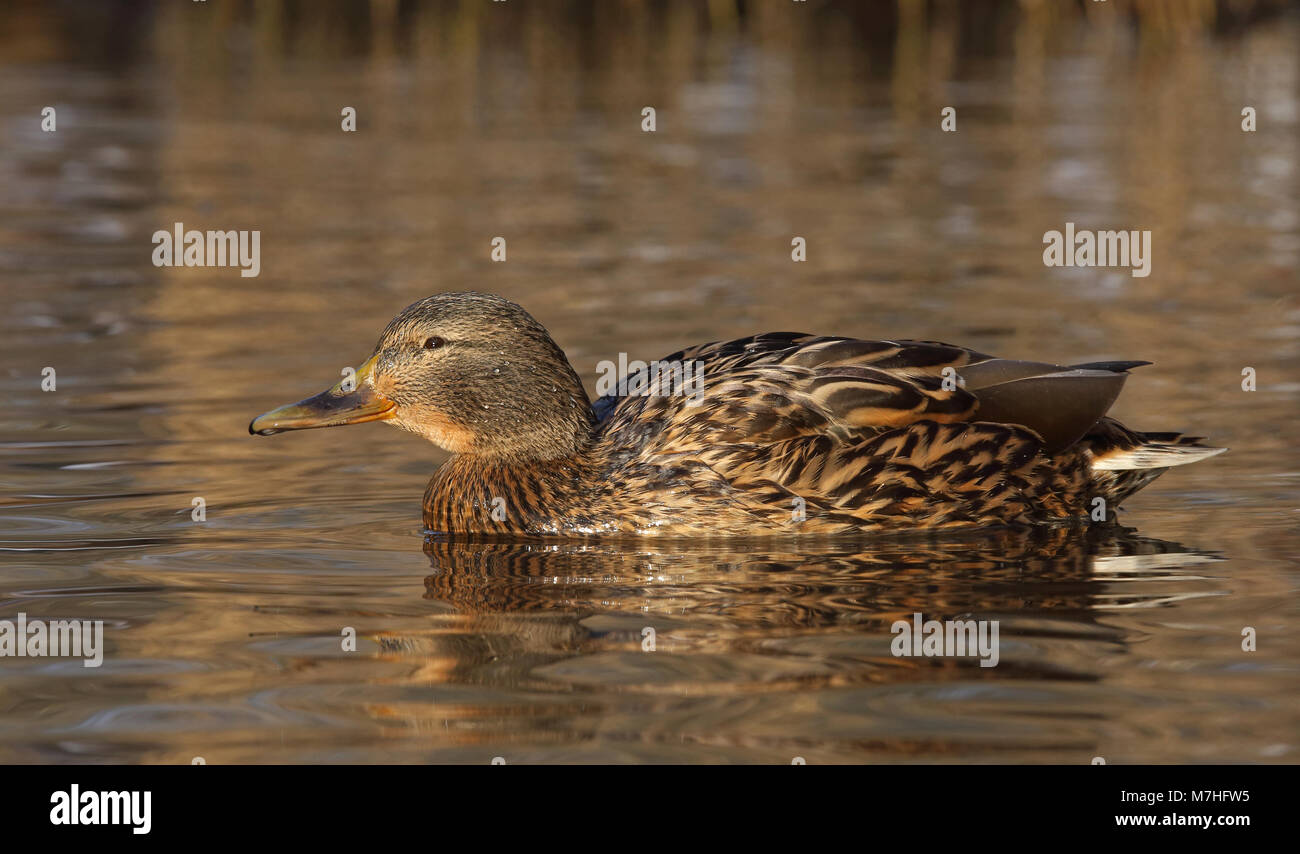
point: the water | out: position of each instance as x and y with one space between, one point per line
224 637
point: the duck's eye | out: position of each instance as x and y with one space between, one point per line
433 343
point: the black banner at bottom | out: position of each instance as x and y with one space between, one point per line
140 804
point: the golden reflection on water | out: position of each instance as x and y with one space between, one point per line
476 121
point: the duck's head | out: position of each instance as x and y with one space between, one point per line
473 373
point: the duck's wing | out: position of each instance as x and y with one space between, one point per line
778 386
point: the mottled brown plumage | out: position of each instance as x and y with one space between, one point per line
783 433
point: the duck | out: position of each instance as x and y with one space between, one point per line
781 433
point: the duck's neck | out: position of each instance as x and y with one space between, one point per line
527 468
477 495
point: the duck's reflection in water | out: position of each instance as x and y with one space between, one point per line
567 598
759 651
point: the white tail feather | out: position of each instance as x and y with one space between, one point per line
1154 456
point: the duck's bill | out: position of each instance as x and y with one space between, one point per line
332 408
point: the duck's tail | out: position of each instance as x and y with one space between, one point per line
1124 460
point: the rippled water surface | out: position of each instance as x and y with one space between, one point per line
223 636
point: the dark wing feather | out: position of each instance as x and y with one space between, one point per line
1058 403
1058 406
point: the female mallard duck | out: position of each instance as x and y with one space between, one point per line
776 434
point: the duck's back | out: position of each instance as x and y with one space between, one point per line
785 432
